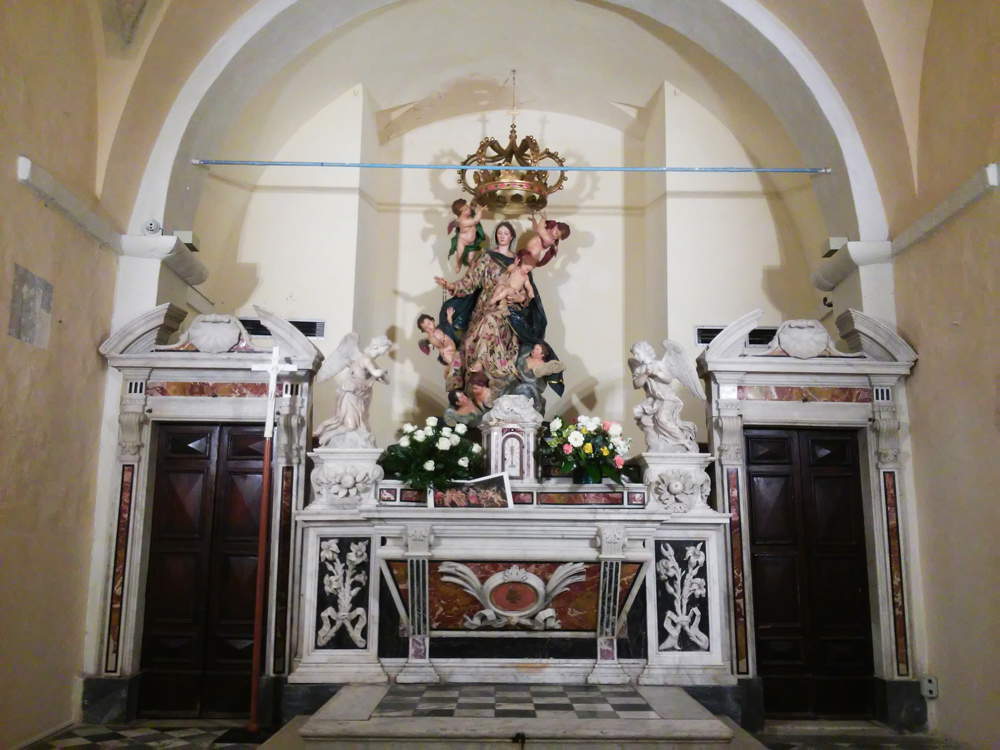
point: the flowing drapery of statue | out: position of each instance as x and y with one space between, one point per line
490 333
356 372
658 415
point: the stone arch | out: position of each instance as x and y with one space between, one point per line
742 34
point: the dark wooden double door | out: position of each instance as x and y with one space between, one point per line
809 568
198 623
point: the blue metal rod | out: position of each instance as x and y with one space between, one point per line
502 168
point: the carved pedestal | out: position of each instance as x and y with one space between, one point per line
678 482
345 477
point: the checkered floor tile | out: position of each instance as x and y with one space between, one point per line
515 701
86 736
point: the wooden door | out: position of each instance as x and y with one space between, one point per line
198 623
809 568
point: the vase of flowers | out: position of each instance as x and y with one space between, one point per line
588 448
432 455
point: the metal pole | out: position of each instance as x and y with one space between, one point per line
503 168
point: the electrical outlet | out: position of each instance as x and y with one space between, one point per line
929 687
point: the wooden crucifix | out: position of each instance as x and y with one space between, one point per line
273 369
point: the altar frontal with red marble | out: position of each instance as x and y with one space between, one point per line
576 607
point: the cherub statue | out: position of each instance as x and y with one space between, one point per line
436 338
356 372
469 237
659 414
544 244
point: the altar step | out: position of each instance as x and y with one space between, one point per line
529 716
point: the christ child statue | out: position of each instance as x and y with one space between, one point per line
469 237
514 285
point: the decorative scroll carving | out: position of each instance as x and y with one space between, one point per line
886 422
290 427
730 426
513 596
345 578
804 339
130 424
682 585
213 333
682 491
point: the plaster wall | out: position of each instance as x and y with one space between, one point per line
51 394
361 251
731 245
946 292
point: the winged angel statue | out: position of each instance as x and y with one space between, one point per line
659 414
356 372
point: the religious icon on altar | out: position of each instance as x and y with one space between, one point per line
493 311
492 491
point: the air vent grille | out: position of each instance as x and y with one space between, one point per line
883 393
758 336
314 329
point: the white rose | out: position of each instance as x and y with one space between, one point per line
464 462
419 436
555 425
575 438
455 439
428 466
593 423
404 442
431 421
443 444
461 429
446 430
408 428
476 448
615 430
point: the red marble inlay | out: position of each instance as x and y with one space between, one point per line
281 582
581 498
118 571
400 578
637 498
412 496
522 498
198 388
387 494
896 574
513 596
739 593
804 393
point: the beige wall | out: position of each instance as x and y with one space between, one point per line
360 251
946 296
51 396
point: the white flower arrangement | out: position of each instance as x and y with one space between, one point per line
432 455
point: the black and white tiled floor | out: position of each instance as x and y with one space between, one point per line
515 701
89 735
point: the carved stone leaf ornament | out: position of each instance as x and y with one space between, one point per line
683 585
682 491
514 409
513 596
345 577
333 483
